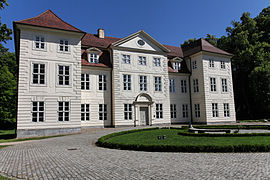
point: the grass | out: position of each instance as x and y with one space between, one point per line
3 178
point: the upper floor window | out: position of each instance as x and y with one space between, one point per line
158 84
63 111
197 110
39 42
38 73
37 111
93 58
63 46
213 86
172 85
143 83
196 85
102 82
63 75
194 64
85 82
127 81
226 110
156 61
185 110
127 111
215 109
159 111
173 110
183 86
211 63
85 112
224 85
142 60
222 64
177 66
126 59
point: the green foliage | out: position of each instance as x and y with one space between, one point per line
188 42
5 32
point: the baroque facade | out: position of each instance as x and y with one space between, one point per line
69 79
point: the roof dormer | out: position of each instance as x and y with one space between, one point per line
93 55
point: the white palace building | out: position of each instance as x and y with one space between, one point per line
69 80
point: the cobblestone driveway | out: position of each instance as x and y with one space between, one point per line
56 158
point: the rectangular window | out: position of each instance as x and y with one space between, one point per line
224 85
63 46
185 110
63 75
215 109
38 74
143 83
194 64
158 84
63 111
159 111
172 85
173 110
39 42
102 112
177 66
38 111
126 59
93 58
156 61
213 86
197 110
226 110
128 111
222 64
127 82
85 82
183 86
102 82
211 63
195 85
142 60
85 112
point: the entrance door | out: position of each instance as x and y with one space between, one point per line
144 116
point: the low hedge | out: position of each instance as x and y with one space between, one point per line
183 133
232 126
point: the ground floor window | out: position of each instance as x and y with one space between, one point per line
173 110
63 111
103 112
38 111
127 111
185 110
85 112
215 109
159 111
226 110
197 110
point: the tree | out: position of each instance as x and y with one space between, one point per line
5 33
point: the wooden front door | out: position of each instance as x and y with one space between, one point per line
144 118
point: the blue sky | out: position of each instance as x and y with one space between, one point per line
168 21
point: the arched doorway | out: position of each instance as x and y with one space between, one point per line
143 110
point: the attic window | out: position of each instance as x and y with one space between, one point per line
177 66
63 46
39 42
93 58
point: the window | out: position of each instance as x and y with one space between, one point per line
85 112
142 60
172 85
85 82
102 82
126 59
143 83
185 110
194 64
93 58
177 66
38 111
63 111
158 83
211 63
159 111
38 73
226 110
213 84
39 42
156 61
63 75
195 85
224 85
197 110
127 82
128 111
102 112
183 86
173 111
63 46
222 64
215 109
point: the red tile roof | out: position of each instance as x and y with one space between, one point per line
50 20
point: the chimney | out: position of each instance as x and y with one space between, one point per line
101 33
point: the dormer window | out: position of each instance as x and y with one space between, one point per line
177 66
93 55
39 42
93 58
63 46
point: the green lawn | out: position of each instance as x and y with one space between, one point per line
3 178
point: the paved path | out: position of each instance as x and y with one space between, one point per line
56 158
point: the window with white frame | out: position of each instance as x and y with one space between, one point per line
63 46
177 66
102 111
128 111
126 59
213 86
172 85
215 109
226 110
38 111
63 75
194 64
211 63
85 112
185 110
39 42
173 110
142 60
143 83
38 73
224 85
222 64
183 86
195 85
63 111
102 82
126 81
156 61
93 58
158 84
159 111
197 110
85 82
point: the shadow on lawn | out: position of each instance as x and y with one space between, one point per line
7 134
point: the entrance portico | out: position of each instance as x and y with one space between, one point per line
143 110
